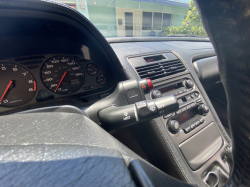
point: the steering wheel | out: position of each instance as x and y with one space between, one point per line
226 23
68 149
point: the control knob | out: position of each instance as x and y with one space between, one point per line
203 109
188 83
173 126
156 94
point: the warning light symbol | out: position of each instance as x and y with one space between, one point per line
144 87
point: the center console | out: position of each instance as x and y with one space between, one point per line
192 128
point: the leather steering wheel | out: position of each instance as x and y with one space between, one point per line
227 25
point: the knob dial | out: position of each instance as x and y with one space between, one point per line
203 109
156 94
188 83
173 126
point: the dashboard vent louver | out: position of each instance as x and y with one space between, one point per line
161 69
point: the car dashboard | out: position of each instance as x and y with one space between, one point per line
39 69
48 61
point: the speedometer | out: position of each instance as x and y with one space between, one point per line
62 75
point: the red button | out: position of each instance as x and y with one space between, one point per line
150 84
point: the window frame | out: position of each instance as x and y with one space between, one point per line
152 24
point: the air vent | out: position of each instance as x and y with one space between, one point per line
161 69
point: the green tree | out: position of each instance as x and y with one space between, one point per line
191 25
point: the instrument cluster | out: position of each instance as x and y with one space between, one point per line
32 79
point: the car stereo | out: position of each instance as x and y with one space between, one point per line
192 111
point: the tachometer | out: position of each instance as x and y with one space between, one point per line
62 75
17 85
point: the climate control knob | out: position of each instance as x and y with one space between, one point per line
173 126
188 83
203 109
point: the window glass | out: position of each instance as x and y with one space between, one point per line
166 20
157 21
141 18
147 20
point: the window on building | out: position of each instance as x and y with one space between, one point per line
155 20
147 20
166 20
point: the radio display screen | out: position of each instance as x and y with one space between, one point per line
183 117
154 58
169 88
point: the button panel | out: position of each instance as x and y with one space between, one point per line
189 97
183 109
193 125
178 91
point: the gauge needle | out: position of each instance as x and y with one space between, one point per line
61 80
6 90
93 67
104 80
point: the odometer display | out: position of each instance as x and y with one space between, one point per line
62 75
17 85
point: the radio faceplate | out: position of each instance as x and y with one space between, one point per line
190 117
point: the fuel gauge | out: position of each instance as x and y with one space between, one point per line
92 69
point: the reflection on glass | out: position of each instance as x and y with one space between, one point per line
136 18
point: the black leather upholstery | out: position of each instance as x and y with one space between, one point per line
227 24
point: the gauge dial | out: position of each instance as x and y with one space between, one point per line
101 79
17 85
62 75
92 69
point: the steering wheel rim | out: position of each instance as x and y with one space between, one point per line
226 23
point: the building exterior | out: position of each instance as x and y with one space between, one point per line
122 18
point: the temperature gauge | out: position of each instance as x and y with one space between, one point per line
92 69
101 79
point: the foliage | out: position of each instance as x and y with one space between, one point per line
191 25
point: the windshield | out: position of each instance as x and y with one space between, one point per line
141 18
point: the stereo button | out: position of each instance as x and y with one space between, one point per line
193 104
193 126
202 121
197 123
198 100
188 97
187 129
183 109
178 112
